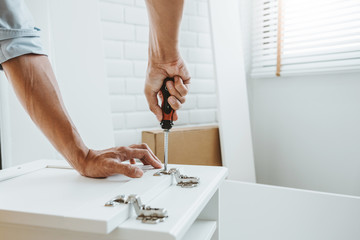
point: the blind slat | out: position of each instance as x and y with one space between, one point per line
316 36
329 31
309 59
355 48
306 45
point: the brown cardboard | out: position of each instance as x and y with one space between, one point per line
191 145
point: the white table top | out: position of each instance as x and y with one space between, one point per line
50 194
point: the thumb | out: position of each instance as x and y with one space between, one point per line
184 74
152 100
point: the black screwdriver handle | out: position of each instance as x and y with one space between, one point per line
167 111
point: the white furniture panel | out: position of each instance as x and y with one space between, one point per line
234 120
48 200
201 230
257 212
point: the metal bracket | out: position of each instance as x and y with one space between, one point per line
182 180
144 213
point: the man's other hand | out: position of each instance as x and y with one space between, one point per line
104 163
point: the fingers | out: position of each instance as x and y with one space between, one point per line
153 102
145 156
174 103
178 91
145 146
180 86
104 163
127 169
144 153
175 116
171 86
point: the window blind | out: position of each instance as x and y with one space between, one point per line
292 37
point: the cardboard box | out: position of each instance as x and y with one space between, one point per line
191 145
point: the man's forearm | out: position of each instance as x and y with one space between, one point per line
164 17
36 87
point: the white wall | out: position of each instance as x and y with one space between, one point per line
306 130
125 31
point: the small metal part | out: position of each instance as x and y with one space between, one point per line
162 172
116 201
144 213
185 181
182 180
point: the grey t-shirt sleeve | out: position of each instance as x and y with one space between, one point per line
18 34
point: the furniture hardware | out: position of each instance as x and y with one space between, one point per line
145 214
182 180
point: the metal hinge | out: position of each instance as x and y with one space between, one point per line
144 213
182 180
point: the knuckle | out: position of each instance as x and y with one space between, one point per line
143 152
152 108
122 149
147 154
184 91
176 106
127 169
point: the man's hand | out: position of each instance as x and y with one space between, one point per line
164 58
108 162
156 73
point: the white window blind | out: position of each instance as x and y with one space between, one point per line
292 37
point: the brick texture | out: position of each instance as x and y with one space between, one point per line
125 33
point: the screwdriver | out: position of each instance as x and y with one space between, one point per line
167 119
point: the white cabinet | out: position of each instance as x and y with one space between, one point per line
48 200
260 212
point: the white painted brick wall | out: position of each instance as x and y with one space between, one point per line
119 68
207 101
116 85
114 49
140 68
135 85
118 31
198 116
204 71
110 11
200 55
140 119
136 15
118 121
123 103
126 34
136 51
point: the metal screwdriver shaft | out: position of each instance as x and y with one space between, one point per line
166 137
